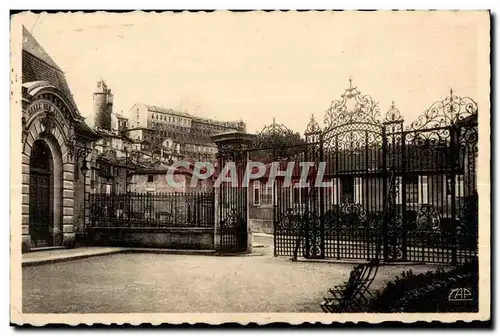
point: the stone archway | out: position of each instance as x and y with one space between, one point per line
45 193
41 195
46 131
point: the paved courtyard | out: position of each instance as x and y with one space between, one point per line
163 283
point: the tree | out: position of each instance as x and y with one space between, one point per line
276 142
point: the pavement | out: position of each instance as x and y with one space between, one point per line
47 256
51 256
110 280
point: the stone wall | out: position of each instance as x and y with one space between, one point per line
261 218
170 238
140 183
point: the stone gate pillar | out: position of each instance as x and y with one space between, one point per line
232 233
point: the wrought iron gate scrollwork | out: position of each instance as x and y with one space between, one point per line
314 244
290 220
394 244
398 192
231 197
352 215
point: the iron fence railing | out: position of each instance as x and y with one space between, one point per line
152 210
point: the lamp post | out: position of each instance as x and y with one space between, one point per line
126 169
83 152
84 169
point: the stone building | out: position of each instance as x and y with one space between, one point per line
157 124
122 122
154 180
55 141
103 105
118 152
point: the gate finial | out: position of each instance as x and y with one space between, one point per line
312 126
393 115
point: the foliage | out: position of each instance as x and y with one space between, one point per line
275 146
428 292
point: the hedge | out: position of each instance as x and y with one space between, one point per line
429 292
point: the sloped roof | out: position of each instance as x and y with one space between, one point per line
31 45
83 129
37 65
159 109
154 108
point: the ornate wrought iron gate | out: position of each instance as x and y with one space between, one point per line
233 221
232 199
389 191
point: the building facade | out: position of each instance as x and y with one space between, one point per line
122 122
55 141
157 124
154 180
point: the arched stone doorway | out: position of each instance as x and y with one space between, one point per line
51 132
44 193
41 195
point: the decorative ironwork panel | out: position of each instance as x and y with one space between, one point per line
232 199
445 113
353 107
401 193
276 143
233 219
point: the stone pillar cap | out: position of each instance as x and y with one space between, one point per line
233 137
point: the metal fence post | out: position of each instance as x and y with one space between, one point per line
386 197
452 162
321 201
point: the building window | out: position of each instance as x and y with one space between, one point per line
347 189
423 190
266 197
150 178
256 193
412 186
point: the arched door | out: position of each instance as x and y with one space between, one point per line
41 219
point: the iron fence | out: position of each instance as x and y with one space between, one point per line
152 210
429 214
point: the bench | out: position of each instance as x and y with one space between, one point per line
353 294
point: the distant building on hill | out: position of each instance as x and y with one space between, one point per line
192 134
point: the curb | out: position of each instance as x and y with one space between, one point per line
146 250
262 234
54 260
69 258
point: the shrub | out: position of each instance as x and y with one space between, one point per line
428 292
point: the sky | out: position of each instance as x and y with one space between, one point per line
256 66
